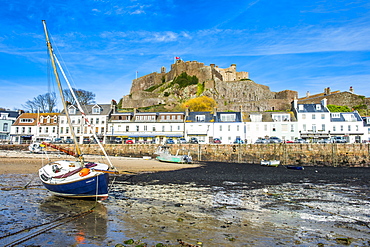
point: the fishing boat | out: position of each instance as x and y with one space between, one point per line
74 178
164 155
273 163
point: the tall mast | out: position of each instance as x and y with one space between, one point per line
50 49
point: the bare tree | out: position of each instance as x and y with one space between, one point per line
83 96
44 103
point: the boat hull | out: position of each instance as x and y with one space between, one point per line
68 179
272 163
86 188
172 159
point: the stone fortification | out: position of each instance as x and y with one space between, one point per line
347 98
232 90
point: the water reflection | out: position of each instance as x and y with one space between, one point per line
86 220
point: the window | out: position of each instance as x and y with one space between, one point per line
356 127
40 129
127 128
72 110
47 130
304 127
26 120
61 130
335 115
228 128
314 127
334 128
145 128
23 130
322 116
5 127
178 127
67 130
220 127
349 127
200 118
303 116
237 128
323 127
292 128
227 117
341 128
29 130
96 110
313 116
16 129
78 130
153 128
102 130
137 127
97 121
284 127
163 128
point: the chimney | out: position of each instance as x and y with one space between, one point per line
295 103
307 94
324 102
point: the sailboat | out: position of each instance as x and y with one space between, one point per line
74 178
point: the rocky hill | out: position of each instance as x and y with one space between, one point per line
231 90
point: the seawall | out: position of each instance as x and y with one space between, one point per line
334 154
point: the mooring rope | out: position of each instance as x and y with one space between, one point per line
52 224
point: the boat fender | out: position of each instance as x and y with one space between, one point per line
84 172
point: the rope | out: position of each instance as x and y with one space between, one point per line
52 225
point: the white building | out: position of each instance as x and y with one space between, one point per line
97 116
32 127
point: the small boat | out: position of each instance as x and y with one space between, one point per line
273 163
295 167
36 147
165 155
74 178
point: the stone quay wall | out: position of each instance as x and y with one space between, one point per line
356 154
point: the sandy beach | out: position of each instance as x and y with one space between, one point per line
23 162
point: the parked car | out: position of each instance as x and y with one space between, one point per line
170 141
129 141
324 141
217 140
181 141
118 140
289 141
261 141
274 139
339 139
58 140
86 141
193 140
300 141
68 141
238 141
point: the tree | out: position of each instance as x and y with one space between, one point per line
43 103
338 108
202 103
84 97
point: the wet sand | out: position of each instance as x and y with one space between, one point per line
10 163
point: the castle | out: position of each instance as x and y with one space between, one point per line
232 90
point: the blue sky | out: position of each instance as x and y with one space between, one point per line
286 44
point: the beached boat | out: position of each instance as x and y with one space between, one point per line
295 167
164 155
273 163
74 178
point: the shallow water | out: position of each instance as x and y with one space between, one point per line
302 214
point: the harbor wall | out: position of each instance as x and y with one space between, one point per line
333 154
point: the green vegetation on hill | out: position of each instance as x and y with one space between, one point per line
338 108
184 80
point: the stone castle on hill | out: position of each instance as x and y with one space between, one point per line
231 90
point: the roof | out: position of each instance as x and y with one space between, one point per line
105 109
302 108
197 117
346 117
33 116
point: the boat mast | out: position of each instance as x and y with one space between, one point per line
50 49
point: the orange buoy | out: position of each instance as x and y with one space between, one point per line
84 172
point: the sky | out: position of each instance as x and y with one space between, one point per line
104 44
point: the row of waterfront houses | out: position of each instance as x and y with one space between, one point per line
305 121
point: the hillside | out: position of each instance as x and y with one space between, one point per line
232 90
